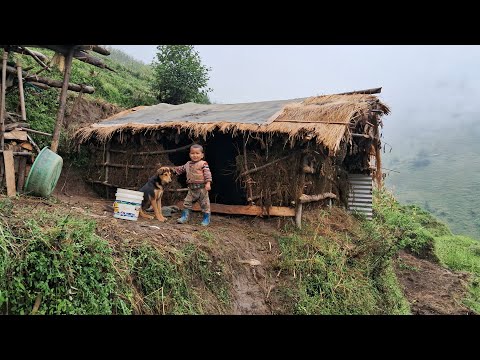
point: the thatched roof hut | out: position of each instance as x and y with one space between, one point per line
311 141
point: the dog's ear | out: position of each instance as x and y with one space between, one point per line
163 170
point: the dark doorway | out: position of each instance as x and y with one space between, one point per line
220 151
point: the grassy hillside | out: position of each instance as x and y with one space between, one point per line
125 88
337 264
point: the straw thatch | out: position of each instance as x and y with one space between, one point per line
323 119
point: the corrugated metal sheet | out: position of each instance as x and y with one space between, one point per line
360 196
248 113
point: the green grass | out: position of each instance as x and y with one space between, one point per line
462 253
128 87
416 230
59 259
341 272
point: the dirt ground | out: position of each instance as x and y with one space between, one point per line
430 288
246 245
249 248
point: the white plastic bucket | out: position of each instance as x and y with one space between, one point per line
127 204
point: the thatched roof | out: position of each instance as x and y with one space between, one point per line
324 119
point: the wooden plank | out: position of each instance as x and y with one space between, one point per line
244 209
22 162
16 135
2 171
9 173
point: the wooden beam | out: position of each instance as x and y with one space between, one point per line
186 147
253 210
50 82
20 90
63 101
16 135
177 190
35 54
310 198
34 131
361 135
366 91
97 48
128 166
2 102
89 59
9 173
18 153
39 57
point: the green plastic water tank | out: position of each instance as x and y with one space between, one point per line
44 173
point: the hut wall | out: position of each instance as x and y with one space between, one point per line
275 185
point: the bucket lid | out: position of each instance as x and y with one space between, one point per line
129 192
123 196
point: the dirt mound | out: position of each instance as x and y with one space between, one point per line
430 288
82 111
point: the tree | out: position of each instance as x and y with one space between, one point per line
179 75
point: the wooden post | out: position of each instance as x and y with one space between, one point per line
2 171
9 173
298 215
248 178
298 202
2 106
63 100
378 171
20 90
22 162
107 160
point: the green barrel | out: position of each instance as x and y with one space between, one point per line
44 173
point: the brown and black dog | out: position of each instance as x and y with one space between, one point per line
153 191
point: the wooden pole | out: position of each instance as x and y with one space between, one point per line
298 203
366 91
107 161
33 143
186 147
248 179
33 131
298 215
63 101
22 163
378 171
9 172
20 90
37 56
310 198
31 78
2 109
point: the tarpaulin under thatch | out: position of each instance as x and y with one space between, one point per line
323 119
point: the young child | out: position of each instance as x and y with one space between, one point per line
199 179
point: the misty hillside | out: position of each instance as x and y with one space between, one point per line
434 154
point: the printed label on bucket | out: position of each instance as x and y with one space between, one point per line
126 210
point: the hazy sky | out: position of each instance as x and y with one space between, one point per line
424 84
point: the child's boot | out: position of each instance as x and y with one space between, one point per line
206 219
185 216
